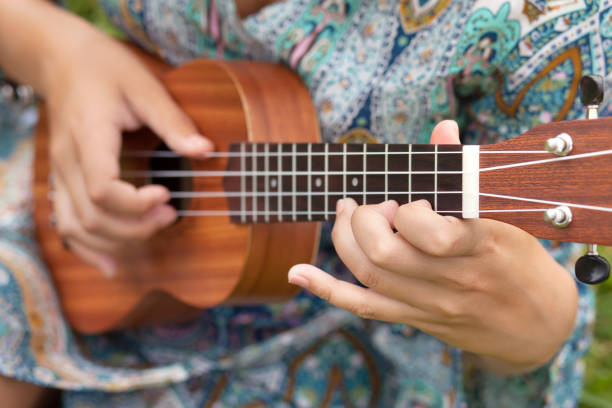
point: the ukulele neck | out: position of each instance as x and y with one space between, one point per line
291 182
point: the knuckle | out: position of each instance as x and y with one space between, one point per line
381 252
90 222
443 243
359 214
97 193
469 281
369 278
450 309
363 310
326 294
491 246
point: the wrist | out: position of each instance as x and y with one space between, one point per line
66 50
27 30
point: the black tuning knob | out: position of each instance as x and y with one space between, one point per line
592 269
592 90
595 90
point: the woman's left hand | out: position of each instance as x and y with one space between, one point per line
486 287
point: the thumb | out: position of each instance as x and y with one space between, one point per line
154 106
445 132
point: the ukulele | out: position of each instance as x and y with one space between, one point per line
252 209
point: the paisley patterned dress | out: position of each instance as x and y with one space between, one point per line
379 71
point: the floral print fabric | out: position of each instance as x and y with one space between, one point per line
378 71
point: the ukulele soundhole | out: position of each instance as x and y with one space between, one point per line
176 185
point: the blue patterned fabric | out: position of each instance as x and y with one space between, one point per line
378 71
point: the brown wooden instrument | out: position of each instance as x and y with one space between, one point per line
237 237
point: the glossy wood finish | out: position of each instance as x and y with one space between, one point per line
586 181
199 262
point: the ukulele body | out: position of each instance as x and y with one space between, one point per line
199 262
204 261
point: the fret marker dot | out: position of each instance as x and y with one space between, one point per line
355 181
273 183
318 182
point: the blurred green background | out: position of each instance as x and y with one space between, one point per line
598 384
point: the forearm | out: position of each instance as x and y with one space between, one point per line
35 35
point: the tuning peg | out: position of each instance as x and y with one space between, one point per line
592 90
595 91
592 268
560 145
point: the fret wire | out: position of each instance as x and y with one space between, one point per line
242 184
266 180
309 182
141 153
386 172
344 170
211 213
326 179
435 177
206 194
254 180
294 160
364 168
215 213
213 173
409 174
279 167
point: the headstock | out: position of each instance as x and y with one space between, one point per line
555 181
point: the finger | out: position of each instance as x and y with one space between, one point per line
68 227
105 263
438 235
397 281
155 107
373 234
99 159
99 222
445 132
363 302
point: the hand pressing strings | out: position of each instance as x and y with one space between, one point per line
484 286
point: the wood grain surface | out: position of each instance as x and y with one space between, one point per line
583 181
199 262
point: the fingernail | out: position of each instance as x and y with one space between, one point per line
339 206
168 215
296 279
198 142
156 194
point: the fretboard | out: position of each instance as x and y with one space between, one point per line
269 182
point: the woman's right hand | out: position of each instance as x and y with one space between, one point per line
96 89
